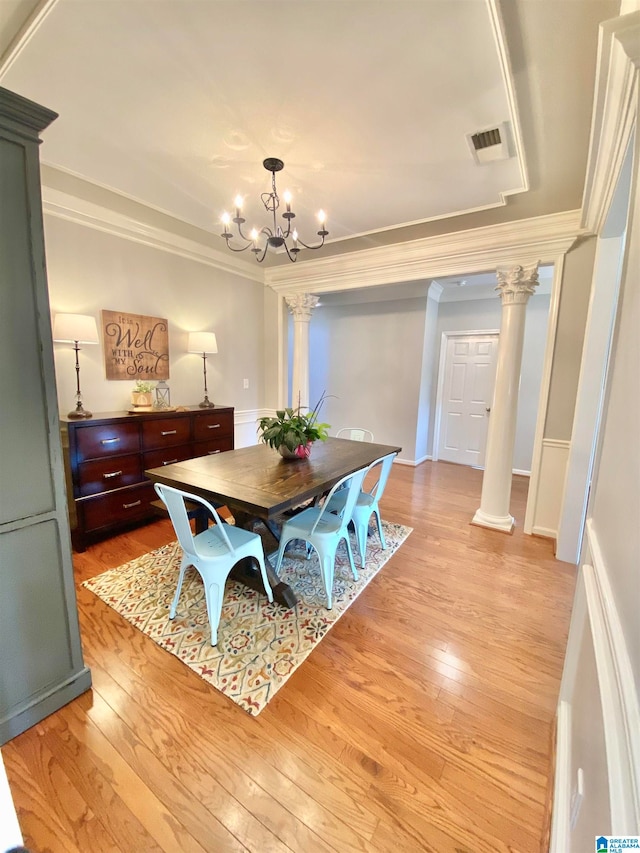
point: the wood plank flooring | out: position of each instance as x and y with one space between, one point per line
422 722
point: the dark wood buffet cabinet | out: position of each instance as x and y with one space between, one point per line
106 457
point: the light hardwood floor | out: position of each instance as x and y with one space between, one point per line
422 722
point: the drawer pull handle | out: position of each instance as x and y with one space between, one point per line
169 461
128 506
211 452
112 474
109 440
169 432
213 426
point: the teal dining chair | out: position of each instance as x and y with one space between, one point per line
323 530
213 553
367 504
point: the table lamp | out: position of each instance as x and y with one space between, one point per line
76 329
203 343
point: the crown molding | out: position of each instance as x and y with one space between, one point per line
541 239
25 34
614 115
74 209
497 25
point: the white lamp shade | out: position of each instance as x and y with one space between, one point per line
69 328
202 342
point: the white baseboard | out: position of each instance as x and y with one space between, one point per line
413 462
548 532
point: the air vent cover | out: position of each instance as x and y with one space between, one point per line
489 145
486 138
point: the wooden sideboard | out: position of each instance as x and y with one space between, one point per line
106 457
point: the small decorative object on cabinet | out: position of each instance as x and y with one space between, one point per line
142 396
163 397
106 459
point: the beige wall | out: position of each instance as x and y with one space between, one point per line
572 318
90 270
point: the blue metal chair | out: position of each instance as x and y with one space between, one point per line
324 530
213 553
366 504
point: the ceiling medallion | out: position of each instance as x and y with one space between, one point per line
275 237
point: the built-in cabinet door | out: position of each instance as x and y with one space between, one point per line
41 666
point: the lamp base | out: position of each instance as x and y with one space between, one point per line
206 404
80 412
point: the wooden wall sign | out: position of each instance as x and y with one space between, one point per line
135 346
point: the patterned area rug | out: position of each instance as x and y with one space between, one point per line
260 645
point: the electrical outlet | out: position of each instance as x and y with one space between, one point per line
245 383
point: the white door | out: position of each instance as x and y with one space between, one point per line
467 392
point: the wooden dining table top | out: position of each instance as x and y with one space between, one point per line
258 481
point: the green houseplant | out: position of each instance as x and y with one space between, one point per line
142 394
292 432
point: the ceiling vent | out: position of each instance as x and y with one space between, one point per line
489 145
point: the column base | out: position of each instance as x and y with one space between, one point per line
503 523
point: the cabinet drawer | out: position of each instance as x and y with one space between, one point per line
213 426
158 458
103 475
165 432
215 445
117 507
95 442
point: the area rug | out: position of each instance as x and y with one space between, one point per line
260 645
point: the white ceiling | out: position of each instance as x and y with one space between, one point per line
175 103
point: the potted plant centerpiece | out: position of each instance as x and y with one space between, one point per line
292 431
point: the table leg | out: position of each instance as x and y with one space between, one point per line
247 572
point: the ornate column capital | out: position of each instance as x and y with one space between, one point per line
516 284
301 305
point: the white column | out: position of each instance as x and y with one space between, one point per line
301 305
516 286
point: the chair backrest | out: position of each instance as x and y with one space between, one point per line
174 500
355 434
352 483
384 464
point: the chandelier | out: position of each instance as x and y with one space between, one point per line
276 236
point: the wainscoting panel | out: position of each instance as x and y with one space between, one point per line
548 500
246 425
597 779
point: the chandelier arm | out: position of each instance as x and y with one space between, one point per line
292 257
319 246
243 249
244 237
262 256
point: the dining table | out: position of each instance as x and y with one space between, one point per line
256 484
